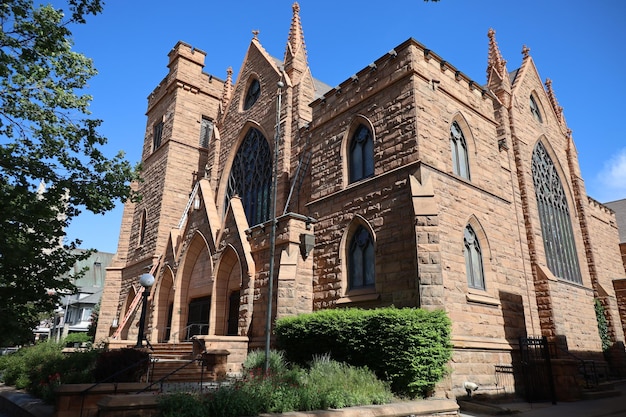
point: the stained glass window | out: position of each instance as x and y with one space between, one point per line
253 93
251 177
361 158
460 163
556 226
361 260
473 259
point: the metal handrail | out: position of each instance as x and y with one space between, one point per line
107 379
586 366
186 329
196 356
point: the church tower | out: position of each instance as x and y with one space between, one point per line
181 116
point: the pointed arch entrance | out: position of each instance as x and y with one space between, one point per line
164 304
191 308
227 294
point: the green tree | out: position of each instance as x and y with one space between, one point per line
51 162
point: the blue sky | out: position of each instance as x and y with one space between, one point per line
579 44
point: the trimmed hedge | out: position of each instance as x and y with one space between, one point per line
409 348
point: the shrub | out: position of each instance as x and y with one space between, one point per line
73 338
16 367
409 348
327 384
42 367
330 379
255 362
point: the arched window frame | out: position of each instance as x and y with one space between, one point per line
142 226
250 177
361 259
458 147
360 153
474 266
253 92
554 218
535 110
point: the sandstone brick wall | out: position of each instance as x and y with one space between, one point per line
603 241
555 297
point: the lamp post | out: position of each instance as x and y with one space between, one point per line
270 283
146 281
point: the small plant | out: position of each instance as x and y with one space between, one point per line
328 384
255 362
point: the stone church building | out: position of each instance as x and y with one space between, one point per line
408 184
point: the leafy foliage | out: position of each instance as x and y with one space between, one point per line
79 338
410 348
255 361
603 325
327 384
51 162
42 367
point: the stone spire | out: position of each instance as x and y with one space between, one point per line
495 62
228 89
558 110
498 79
295 53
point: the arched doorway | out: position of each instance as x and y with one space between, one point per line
227 294
192 308
164 306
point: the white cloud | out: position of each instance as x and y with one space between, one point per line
613 175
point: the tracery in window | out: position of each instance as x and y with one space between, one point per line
556 226
251 177
473 259
252 95
361 260
361 156
460 163
534 109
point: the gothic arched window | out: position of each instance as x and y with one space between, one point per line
252 94
460 163
251 177
361 260
473 259
534 109
361 156
556 226
142 227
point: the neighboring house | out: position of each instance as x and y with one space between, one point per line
409 184
73 313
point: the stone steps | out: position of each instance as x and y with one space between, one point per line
174 370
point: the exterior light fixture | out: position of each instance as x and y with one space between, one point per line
146 281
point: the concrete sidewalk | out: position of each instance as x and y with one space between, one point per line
600 407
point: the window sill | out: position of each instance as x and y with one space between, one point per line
358 298
482 299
